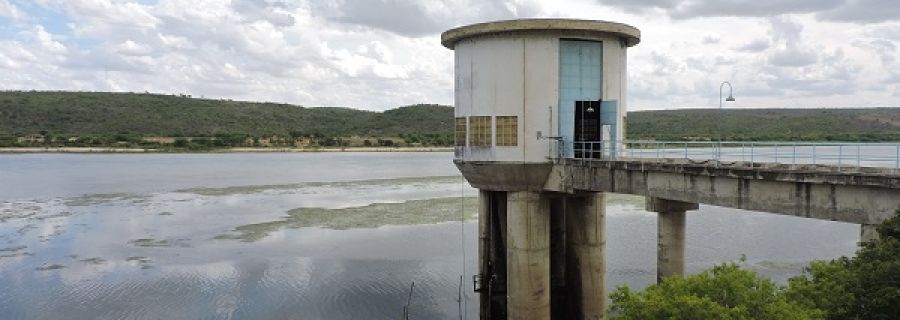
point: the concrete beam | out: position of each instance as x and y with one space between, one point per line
863 198
664 205
505 176
528 256
586 256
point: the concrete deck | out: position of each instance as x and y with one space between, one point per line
865 196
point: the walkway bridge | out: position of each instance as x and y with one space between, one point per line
849 182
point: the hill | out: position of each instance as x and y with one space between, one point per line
69 113
870 124
100 119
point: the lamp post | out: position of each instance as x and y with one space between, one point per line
722 116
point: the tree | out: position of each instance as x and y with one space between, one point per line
724 292
863 287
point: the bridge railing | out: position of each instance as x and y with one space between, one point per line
837 154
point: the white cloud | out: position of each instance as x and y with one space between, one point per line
685 9
420 18
756 45
10 10
386 53
864 11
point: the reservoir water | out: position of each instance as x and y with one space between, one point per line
304 236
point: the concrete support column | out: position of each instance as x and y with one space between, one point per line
868 232
586 258
558 297
670 244
484 251
670 235
528 256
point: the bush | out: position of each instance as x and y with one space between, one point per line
724 292
863 287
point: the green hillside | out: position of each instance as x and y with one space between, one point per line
872 124
127 119
65 113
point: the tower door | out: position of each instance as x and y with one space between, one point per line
580 79
588 133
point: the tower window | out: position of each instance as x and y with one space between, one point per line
461 131
480 134
507 131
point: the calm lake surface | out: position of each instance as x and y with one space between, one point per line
303 236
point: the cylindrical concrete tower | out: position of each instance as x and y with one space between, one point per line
529 92
519 82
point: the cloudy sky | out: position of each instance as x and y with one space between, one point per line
379 54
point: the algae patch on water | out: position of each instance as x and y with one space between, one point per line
48 267
94 260
103 198
164 243
12 252
235 190
374 215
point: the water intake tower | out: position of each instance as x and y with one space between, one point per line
528 93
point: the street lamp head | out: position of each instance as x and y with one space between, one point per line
730 98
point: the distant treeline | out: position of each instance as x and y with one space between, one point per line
869 124
149 120
95 119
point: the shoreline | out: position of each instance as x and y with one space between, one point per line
229 150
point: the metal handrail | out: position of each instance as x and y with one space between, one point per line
839 154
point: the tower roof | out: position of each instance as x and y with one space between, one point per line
631 35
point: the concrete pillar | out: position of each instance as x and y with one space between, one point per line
670 235
498 255
558 299
868 232
484 252
670 244
528 256
586 258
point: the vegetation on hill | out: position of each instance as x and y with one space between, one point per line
151 120
870 124
109 118
866 286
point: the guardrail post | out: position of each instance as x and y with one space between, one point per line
840 156
794 156
814 154
685 150
716 152
776 153
743 151
752 145
592 151
857 155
